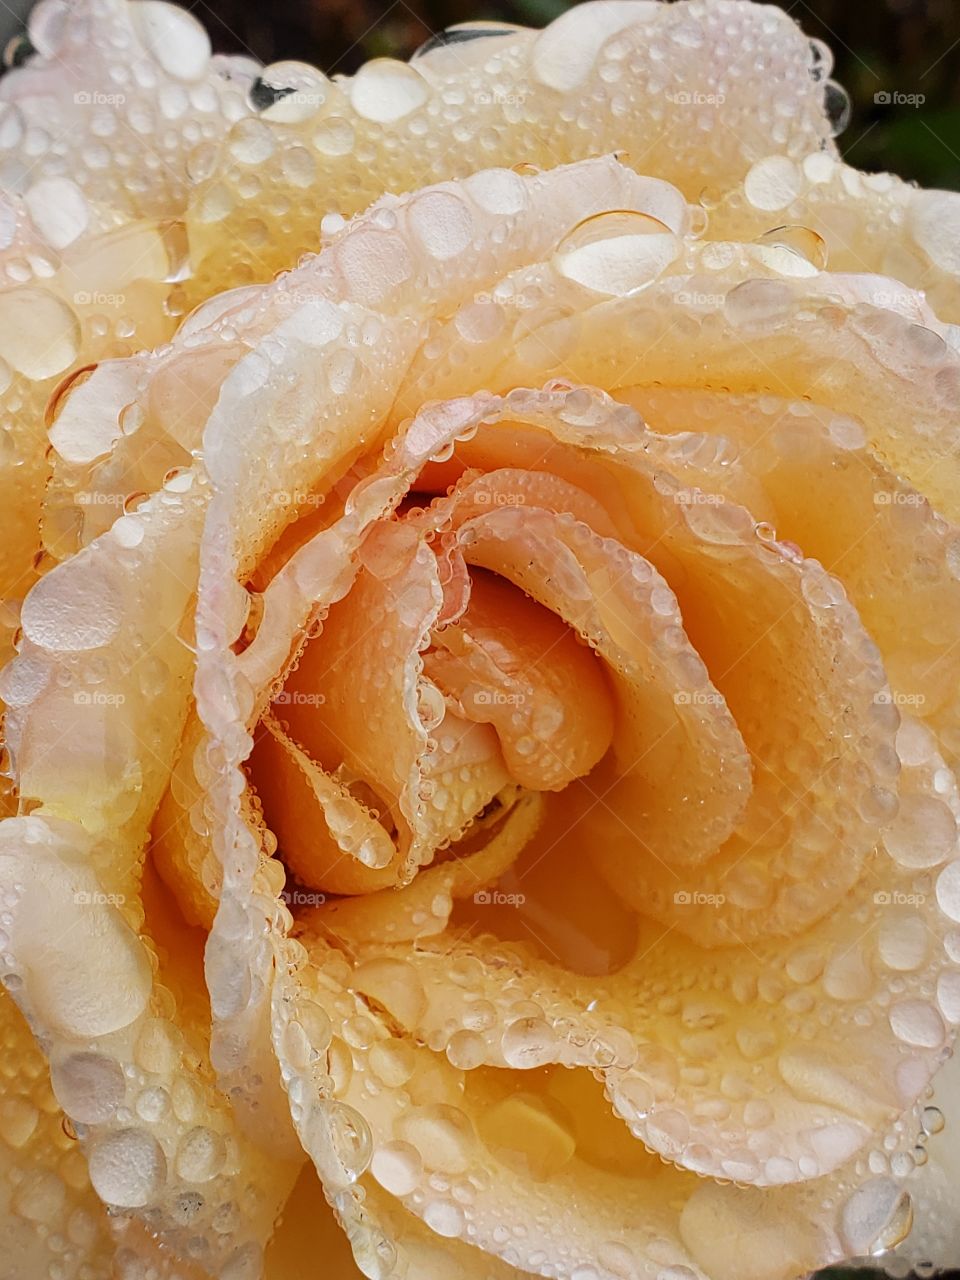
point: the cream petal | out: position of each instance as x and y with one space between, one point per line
648 78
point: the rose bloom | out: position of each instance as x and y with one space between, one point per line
482 709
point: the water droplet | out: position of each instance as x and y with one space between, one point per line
397 1167
88 1086
836 103
58 210
39 333
173 37
340 1142
801 241
529 1042
932 1120
384 90
617 253
17 50
201 1155
445 1218
127 1168
773 183
461 34
821 60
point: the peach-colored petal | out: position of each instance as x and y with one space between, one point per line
511 663
423 907
908 595
648 78
51 1215
326 836
724 318
867 222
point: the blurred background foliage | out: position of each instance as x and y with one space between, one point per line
908 50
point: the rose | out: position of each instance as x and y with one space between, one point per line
809 1023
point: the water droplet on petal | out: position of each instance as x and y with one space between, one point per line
801 241
385 90
617 253
836 103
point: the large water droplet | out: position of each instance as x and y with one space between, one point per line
836 103
617 253
338 1139
46 26
127 1168
397 1167
773 183
39 334
461 34
88 1086
173 37
385 91
801 241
